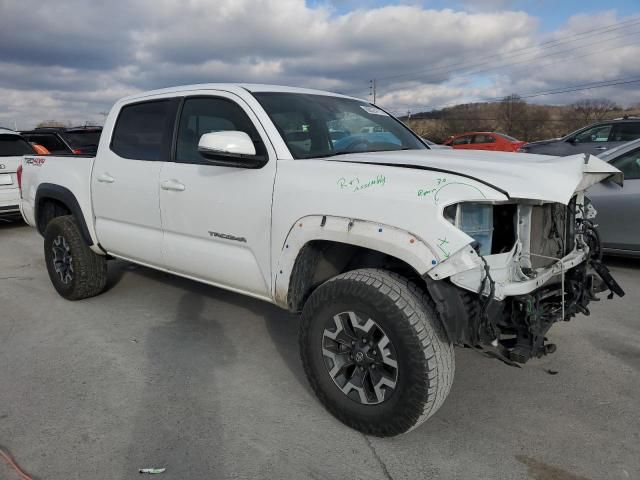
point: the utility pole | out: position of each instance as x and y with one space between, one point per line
372 89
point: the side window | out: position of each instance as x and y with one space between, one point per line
49 141
208 114
629 164
14 145
143 130
599 133
483 139
625 131
462 140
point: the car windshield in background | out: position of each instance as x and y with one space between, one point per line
507 137
323 126
14 145
81 139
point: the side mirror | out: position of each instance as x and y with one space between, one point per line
230 149
572 140
226 143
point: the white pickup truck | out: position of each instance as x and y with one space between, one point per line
326 205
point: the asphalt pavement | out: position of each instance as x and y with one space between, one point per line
164 372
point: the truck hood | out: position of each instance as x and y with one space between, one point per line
517 175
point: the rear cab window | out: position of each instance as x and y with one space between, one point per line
144 130
50 141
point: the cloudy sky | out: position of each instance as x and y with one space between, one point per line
71 59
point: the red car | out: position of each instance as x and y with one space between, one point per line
485 141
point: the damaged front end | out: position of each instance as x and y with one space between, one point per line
531 264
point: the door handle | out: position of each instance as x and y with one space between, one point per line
173 185
601 148
105 178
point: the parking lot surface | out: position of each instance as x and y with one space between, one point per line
161 371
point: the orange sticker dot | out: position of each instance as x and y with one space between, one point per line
412 240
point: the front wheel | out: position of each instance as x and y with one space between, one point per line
375 352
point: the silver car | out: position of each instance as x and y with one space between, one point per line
619 207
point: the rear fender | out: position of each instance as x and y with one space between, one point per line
66 197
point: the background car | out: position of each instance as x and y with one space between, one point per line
12 148
435 146
619 207
593 139
484 141
75 140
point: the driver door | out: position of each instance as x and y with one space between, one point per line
217 219
594 140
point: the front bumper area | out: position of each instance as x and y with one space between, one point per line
513 329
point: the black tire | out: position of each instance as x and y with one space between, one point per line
424 356
87 275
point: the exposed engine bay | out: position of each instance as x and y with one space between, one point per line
541 263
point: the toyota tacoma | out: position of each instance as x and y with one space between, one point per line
392 252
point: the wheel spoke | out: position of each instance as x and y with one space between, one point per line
360 358
62 259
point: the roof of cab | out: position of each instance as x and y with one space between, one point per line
237 88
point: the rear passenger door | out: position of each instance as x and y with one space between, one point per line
125 180
217 218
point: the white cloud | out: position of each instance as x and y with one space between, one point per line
71 59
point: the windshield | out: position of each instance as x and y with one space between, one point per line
507 137
323 126
14 145
82 139
609 154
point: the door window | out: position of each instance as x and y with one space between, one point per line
462 140
625 132
207 114
599 133
483 139
629 164
143 130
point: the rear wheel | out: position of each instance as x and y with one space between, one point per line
375 351
74 269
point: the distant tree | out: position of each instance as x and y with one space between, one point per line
593 109
467 117
50 123
512 114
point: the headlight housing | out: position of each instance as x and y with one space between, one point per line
474 219
492 226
